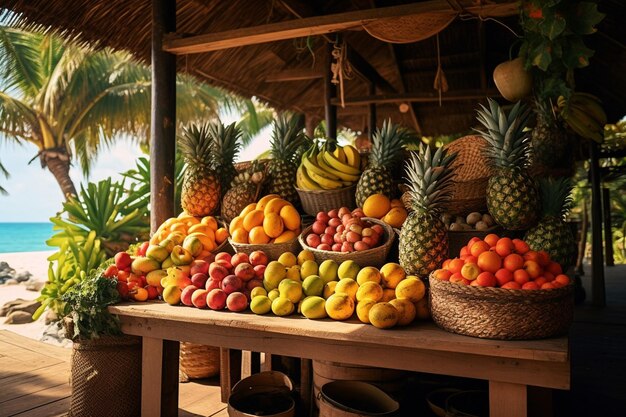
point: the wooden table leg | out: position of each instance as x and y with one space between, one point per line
306 376
170 378
266 361
507 400
230 371
151 370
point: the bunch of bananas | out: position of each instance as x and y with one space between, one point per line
584 114
326 169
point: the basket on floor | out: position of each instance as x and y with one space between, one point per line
272 250
198 361
471 174
498 313
372 257
314 201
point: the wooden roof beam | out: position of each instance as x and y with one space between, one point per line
294 74
315 25
416 97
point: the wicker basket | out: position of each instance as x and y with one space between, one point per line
198 361
497 313
371 257
272 250
314 201
408 29
472 173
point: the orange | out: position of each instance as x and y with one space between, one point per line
491 239
554 268
456 265
397 203
513 262
291 217
273 224
562 279
504 247
209 221
543 258
236 223
464 251
253 219
521 247
247 209
221 235
260 205
258 236
286 236
489 261
478 247
521 276
376 205
240 236
395 217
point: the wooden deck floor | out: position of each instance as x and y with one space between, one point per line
34 376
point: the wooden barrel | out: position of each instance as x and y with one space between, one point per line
391 381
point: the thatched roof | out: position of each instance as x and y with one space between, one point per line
247 70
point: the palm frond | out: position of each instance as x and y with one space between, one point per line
20 60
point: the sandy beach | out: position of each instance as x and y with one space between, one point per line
36 263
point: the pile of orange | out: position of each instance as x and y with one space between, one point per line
381 207
505 263
206 229
270 220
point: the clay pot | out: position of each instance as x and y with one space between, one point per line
512 80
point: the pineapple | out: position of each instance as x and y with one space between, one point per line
225 147
551 146
387 146
552 234
512 196
287 138
244 190
424 237
201 189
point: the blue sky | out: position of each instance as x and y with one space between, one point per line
35 196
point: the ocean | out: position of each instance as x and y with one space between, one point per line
25 237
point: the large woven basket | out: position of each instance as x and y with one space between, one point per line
371 257
198 361
472 173
314 201
497 313
272 250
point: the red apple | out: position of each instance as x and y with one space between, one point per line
212 284
253 283
347 247
318 227
327 239
259 270
198 298
217 271
239 258
153 292
244 271
338 238
185 295
122 289
330 230
199 266
237 301
258 257
123 260
334 222
313 240
360 246
342 211
332 214
231 284
336 247
223 255
199 279
324 246
345 217
322 217
352 237
111 271
226 264
216 299
340 228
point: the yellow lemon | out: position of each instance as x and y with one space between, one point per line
363 310
412 288
257 291
388 295
368 274
308 268
290 289
348 269
391 274
347 286
305 255
313 285
274 273
294 273
288 259
314 307
329 289
328 270
282 306
273 294
369 291
423 312
260 304
383 315
406 310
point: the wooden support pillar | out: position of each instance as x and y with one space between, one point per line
309 126
162 167
329 93
608 233
163 115
597 265
371 113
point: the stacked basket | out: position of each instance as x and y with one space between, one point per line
472 173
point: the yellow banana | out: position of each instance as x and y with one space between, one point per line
321 162
304 180
353 156
592 108
586 119
575 122
340 154
338 165
311 166
325 183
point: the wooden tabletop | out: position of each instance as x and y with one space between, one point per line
420 335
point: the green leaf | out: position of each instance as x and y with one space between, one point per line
583 18
551 28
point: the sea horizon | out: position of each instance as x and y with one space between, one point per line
25 236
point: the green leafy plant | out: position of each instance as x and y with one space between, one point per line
86 304
553 42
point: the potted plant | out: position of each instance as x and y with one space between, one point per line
106 365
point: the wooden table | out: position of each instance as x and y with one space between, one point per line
509 366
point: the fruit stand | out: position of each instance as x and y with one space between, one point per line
510 366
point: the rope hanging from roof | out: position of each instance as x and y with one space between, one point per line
341 68
441 83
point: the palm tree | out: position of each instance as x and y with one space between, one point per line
70 100
5 174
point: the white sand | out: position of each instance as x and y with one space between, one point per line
36 263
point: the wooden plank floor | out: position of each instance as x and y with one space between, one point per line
34 377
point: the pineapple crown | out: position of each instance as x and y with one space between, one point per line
556 196
195 145
226 143
508 143
429 179
287 137
387 144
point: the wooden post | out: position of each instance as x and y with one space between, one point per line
329 93
163 115
597 266
162 172
371 113
309 126
608 232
